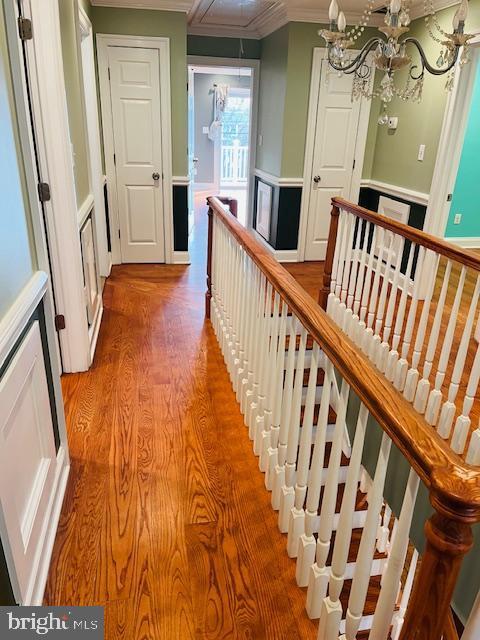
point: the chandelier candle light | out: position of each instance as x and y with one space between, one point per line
392 50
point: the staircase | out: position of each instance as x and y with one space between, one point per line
322 420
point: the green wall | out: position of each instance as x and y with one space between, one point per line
271 101
394 157
74 90
223 47
17 257
170 24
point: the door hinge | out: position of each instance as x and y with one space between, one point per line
353 163
44 191
119 233
109 73
59 322
25 29
114 159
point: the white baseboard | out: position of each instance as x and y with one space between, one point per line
465 243
287 255
181 257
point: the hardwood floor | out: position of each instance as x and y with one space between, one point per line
166 521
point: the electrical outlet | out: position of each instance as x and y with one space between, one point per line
457 219
393 123
421 153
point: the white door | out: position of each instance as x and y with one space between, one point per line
135 96
333 156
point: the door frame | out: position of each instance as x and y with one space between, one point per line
254 65
450 146
93 140
63 260
163 46
360 145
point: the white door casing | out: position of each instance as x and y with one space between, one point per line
135 98
334 153
336 138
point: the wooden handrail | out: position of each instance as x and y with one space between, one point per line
455 482
451 251
454 485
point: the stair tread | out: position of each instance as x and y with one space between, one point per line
332 416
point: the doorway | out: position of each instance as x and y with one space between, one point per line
135 99
336 138
222 121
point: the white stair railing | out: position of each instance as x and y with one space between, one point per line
392 286
297 379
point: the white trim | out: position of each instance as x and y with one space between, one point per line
163 45
362 131
465 243
52 518
15 320
181 257
450 145
281 255
418 197
276 181
183 181
95 328
182 6
85 209
254 65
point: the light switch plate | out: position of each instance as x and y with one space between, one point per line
421 152
457 219
206 130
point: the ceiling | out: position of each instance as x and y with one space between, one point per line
257 18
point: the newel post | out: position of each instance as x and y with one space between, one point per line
327 272
448 538
208 294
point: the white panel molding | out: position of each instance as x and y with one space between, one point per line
278 182
181 257
182 6
465 243
85 209
17 317
418 197
182 181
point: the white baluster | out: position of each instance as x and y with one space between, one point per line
361 281
367 288
392 357
352 285
296 525
287 495
320 573
401 368
382 619
447 414
473 453
472 630
247 382
423 388
342 217
331 612
270 438
361 577
384 530
307 544
413 374
373 294
347 269
255 407
399 618
280 455
435 397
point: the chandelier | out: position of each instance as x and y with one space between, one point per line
391 51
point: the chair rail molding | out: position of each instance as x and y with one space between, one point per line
276 181
418 197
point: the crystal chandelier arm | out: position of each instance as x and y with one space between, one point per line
425 64
358 61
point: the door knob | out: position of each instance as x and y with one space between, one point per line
156 176
317 179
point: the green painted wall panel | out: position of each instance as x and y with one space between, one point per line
223 47
74 91
395 156
169 24
17 256
271 103
466 195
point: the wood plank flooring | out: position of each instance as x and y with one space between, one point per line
166 521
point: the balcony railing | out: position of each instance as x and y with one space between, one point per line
234 164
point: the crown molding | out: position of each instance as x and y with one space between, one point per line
418 10
182 6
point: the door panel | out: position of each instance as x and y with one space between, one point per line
135 95
337 122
